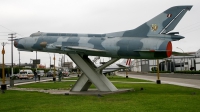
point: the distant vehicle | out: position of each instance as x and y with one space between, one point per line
26 74
40 72
15 75
50 73
65 73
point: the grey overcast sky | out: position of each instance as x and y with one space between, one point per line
89 16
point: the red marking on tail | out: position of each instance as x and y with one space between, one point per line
128 62
169 49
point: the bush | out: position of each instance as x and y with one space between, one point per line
154 69
159 72
188 72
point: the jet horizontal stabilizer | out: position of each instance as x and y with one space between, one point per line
173 33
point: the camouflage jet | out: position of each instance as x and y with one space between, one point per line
115 67
151 40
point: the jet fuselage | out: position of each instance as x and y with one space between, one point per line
98 45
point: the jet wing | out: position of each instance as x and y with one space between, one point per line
108 70
25 50
122 66
85 49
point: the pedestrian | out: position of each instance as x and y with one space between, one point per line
35 75
38 77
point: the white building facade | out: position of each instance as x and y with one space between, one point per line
173 63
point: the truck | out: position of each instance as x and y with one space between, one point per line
26 74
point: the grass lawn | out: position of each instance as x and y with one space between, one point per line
115 78
154 98
68 82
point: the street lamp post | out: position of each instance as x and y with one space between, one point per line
183 58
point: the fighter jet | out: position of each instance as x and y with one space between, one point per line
117 66
151 40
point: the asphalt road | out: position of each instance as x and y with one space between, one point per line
187 80
171 75
16 81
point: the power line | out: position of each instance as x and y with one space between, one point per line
191 31
8 29
11 30
3 39
192 28
189 26
3 35
5 32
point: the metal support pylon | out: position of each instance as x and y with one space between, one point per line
91 74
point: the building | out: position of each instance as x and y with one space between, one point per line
68 64
173 63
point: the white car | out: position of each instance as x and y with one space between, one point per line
26 74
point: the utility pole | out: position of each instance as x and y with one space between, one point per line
11 36
3 85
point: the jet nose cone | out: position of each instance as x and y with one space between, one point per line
16 42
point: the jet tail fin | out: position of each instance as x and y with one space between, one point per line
174 15
164 22
161 24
